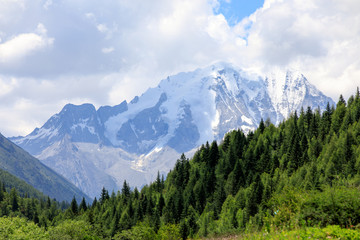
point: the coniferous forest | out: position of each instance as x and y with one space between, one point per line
298 179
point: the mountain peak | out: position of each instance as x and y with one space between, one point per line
182 112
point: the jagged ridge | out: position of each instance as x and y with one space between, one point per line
182 112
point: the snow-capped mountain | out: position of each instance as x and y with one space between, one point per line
133 141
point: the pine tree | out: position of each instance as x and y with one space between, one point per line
349 155
83 205
36 219
200 196
338 117
226 142
94 204
229 162
192 221
149 206
214 154
48 203
341 101
235 180
356 110
251 206
261 126
158 182
104 195
308 119
125 191
326 121
14 200
28 210
124 222
74 206
160 205
294 152
115 224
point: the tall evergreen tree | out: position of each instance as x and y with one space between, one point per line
14 200
214 154
104 195
261 126
74 206
83 205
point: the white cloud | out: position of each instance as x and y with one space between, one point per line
27 103
7 85
102 28
41 30
320 38
106 52
24 44
21 45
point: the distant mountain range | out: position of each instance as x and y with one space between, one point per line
133 141
17 162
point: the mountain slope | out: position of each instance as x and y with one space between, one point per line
135 140
21 164
10 181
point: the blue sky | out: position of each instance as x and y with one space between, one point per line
235 10
104 52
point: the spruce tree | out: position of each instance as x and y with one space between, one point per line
261 126
158 182
14 200
94 203
160 204
74 206
125 191
83 205
214 154
104 195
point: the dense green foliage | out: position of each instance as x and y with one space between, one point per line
279 181
21 164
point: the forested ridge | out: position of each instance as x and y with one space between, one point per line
301 174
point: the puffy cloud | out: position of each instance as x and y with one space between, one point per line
24 44
106 52
319 38
27 103
7 85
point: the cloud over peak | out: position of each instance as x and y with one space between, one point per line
123 47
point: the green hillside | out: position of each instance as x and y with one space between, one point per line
21 164
9 181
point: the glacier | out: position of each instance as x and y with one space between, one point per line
136 140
